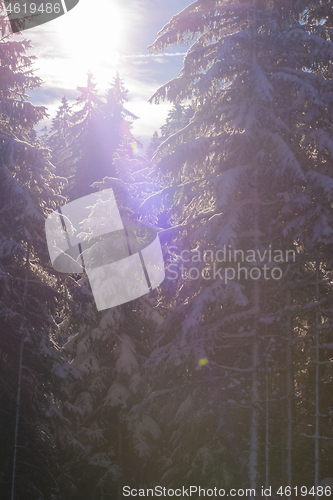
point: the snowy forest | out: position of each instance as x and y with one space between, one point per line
214 379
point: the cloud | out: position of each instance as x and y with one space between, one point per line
153 56
45 96
152 117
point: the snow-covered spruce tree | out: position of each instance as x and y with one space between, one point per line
252 169
58 139
115 438
85 141
84 144
81 160
108 348
313 372
178 117
120 144
118 119
32 368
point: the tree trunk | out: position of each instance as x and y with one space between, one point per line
18 398
18 402
267 480
317 426
254 437
290 390
120 452
254 431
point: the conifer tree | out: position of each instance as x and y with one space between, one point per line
58 140
116 97
84 142
250 170
114 439
107 348
155 141
178 117
82 161
33 368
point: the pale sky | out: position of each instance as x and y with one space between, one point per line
112 38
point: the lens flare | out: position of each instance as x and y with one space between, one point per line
134 148
202 361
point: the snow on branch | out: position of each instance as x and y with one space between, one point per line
285 157
325 182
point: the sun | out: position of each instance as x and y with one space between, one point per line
93 31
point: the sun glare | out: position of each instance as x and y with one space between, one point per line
93 32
